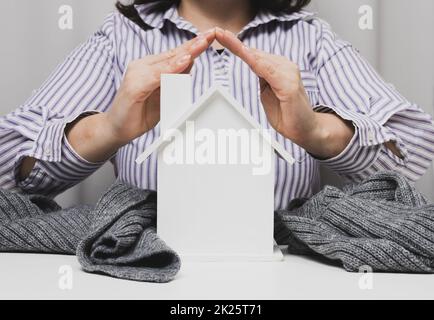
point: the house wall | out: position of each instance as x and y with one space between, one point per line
216 198
401 47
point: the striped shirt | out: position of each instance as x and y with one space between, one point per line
336 78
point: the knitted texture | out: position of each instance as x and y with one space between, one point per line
383 223
117 237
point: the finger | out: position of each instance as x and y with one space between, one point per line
281 62
182 62
263 64
194 47
267 70
231 42
179 62
164 56
274 71
203 43
257 61
176 65
157 58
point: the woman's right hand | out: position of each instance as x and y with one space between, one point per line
136 107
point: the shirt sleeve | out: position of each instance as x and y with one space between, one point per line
349 87
83 84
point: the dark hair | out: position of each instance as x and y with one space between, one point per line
275 6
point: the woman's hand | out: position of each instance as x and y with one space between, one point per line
136 107
286 103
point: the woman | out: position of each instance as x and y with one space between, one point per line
320 98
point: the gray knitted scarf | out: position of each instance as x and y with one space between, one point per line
117 237
382 223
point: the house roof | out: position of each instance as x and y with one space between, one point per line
199 107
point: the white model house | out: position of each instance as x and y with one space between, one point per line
215 176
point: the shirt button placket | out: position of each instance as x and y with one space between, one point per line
221 69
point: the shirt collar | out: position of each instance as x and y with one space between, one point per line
158 19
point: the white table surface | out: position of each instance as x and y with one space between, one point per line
31 276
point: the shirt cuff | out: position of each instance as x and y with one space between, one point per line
366 144
48 145
56 157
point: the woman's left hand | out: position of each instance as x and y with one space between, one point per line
286 103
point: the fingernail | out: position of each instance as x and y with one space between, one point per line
229 33
184 59
201 41
207 32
